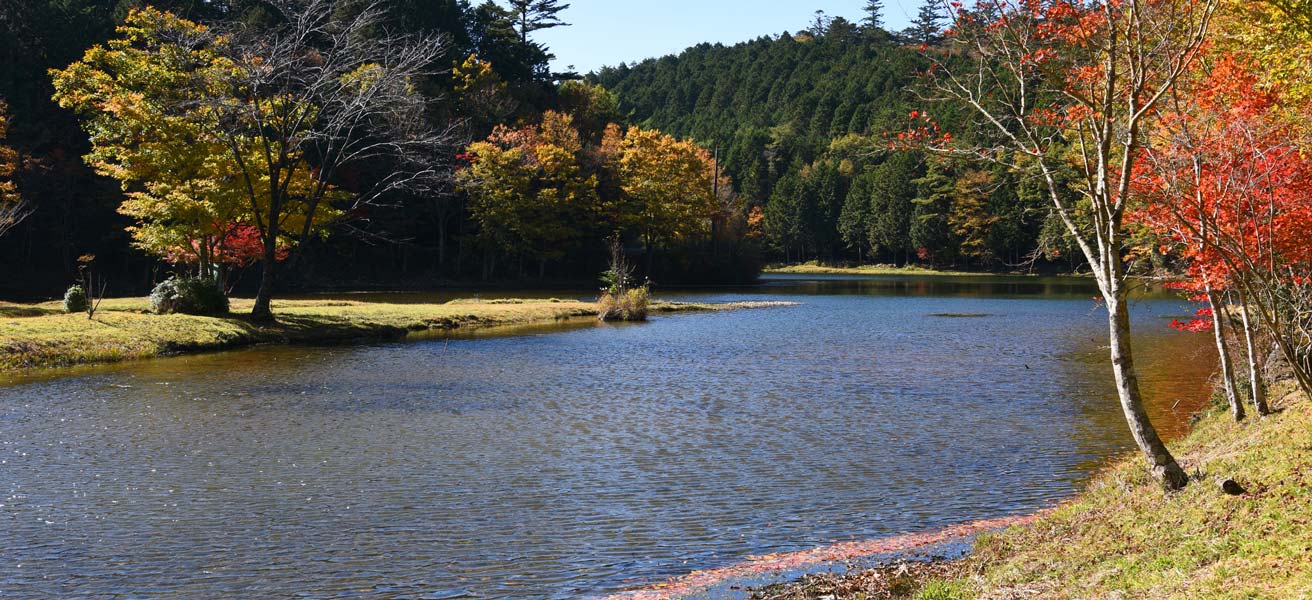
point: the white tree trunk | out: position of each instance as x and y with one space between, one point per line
1223 350
1257 385
1160 460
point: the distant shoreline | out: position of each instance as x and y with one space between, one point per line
813 268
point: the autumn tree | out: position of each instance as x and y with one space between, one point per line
667 188
187 207
529 190
13 209
969 219
1225 182
1066 82
307 123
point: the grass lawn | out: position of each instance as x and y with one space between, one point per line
42 335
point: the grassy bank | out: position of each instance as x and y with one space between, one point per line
815 268
42 335
1126 538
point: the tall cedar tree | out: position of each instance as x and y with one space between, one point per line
537 15
874 10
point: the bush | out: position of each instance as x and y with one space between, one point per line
630 305
188 296
75 300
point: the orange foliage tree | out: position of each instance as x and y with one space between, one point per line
1064 85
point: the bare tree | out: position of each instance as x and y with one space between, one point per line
316 100
1062 82
11 214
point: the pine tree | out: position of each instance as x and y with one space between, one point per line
536 15
891 195
927 27
820 25
874 14
930 234
854 220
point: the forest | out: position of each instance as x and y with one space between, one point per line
802 121
381 183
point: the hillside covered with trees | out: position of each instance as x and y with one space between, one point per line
802 120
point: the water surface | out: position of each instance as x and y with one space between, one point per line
577 460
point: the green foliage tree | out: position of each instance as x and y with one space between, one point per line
537 15
278 117
790 111
927 26
892 192
854 219
783 216
874 18
931 232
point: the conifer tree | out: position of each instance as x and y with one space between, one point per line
536 15
874 14
927 27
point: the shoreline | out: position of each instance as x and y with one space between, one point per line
1125 537
906 552
41 336
814 268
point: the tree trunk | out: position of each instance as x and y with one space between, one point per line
1163 465
650 256
1222 349
1257 385
441 245
263 310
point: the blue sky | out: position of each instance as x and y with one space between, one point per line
607 32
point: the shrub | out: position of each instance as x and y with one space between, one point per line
188 296
75 299
631 305
620 301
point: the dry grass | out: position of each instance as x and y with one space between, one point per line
630 305
1127 538
815 268
34 336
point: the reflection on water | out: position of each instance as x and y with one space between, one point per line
574 460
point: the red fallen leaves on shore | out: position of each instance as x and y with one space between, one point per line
758 565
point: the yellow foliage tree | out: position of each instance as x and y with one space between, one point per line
667 188
529 191
142 99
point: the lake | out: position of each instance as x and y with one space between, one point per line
574 460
